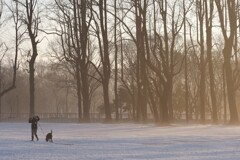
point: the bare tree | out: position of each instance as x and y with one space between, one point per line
84 59
141 46
18 40
209 18
186 23
1 8
185 62
116 60
228 35
200 25
74 23
104 54
32 21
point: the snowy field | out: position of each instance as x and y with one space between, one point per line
120 142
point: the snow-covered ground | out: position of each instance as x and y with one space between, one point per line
96 141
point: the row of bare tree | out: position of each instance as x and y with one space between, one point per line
174 57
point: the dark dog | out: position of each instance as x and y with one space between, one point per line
49 137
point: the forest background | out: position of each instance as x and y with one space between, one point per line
141 60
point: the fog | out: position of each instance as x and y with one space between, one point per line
160 61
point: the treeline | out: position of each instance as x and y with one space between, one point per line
173 59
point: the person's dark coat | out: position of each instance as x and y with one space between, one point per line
34 120
34 124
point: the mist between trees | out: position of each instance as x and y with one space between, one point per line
158 60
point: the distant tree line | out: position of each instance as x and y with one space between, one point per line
168 59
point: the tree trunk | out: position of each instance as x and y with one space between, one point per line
79 96
229 79
224 95
31 88
170 107
116 61
153 106
139 50
32 72
166 69
105 57
227 52
84 62
164 106
185 64
108 117
202 63
209 57
32 24
85 93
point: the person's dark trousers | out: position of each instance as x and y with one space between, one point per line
34 133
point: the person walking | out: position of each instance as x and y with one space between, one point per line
34 126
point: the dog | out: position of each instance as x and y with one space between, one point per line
49 137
